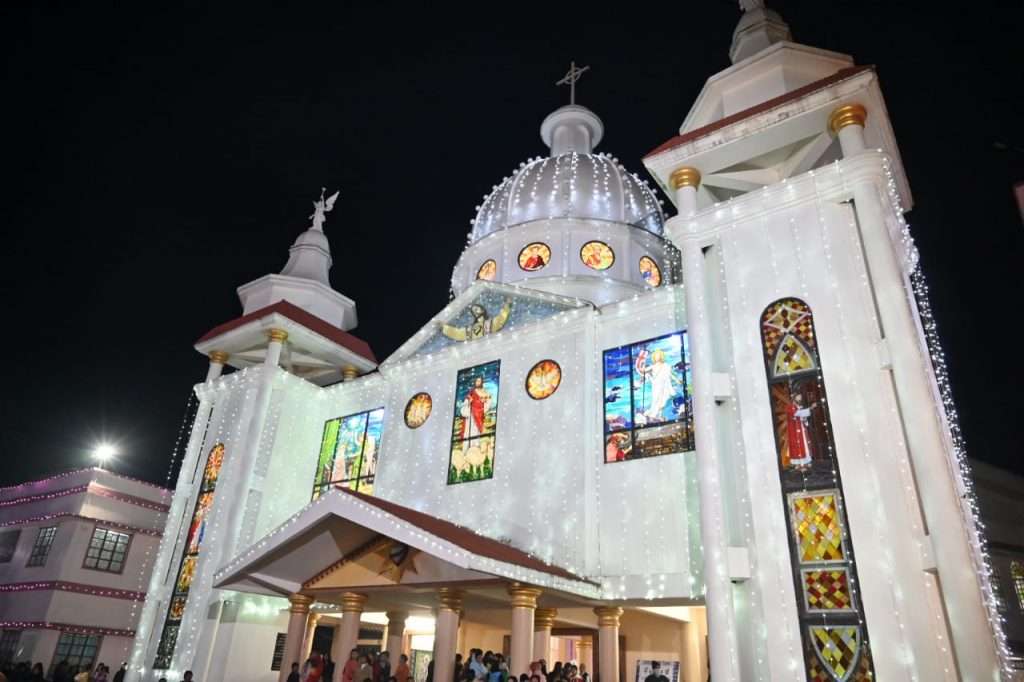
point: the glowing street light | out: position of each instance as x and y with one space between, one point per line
103 453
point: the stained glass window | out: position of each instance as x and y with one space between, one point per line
107 550
1017 576
597 255
835 640
471 457
543 379
534 256
647 400
41 547
417 410
488 269
190 557
348 452
650 272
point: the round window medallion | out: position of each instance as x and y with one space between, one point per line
417 410
650 272
597 255
487 270
534 256
543 379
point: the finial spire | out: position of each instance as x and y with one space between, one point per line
321 208
570 79
750 5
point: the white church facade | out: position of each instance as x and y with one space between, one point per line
746 448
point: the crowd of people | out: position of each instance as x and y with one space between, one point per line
481 666
25 671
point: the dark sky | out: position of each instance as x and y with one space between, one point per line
154 161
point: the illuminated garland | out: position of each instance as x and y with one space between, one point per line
90 487
81 517
64 627
79 588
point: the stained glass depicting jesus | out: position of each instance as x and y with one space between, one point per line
476 415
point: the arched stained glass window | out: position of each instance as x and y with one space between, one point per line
1017 576
832 625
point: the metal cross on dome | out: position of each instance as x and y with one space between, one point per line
571 78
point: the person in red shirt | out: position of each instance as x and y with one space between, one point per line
402 671
351 666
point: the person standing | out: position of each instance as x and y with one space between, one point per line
294 676
351 666
402 671
655 675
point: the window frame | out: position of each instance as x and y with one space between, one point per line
39 553
1017 582
16 534
58 657
354 483
9 645
124 558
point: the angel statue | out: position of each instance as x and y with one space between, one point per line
321 208
482 324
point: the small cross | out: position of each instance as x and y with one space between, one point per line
570 80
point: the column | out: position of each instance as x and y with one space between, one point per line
446 633
251 445
396 631
608 642
973 640
298 613
524 602
543 619
348 373
347 634
217 360
586 648
718 589
307 642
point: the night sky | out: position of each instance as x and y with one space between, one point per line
154 161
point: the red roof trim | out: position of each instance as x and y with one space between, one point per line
300 316
467 539
841 74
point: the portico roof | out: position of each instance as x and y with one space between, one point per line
341 528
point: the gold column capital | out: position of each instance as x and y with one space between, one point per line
314 617
396 616
685 176
524 596
584 643
544 619
348 373
352 602
278 335
450 599
848 115
300 603
608 615
218 356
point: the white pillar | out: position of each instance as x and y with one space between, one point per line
347 634
251 447
446 633
543 620
586 655
217 360
396 632
524 602
973 639
307 641
608 642
298 614
718 588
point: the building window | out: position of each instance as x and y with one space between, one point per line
8 543
41 548
189 557
107 550
348 452
1017 576
78 650
534 256
474 423
9 645
647 408
275 660
835 640
597 255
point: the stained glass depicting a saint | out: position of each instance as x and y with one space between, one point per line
650 272
659 381
197 530
534 256
186 574
488 270
597 255
476 414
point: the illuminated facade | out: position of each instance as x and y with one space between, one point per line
618 425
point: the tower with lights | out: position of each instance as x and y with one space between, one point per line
720 441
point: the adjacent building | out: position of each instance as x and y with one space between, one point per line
76 551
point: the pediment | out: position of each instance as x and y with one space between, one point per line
482 311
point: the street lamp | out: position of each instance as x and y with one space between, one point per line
103 453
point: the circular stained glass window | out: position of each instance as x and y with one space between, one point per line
534 256
650 272
417 410
487 270
597 255
543 379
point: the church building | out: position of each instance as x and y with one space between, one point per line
748 396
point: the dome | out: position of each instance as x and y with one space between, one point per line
571 183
